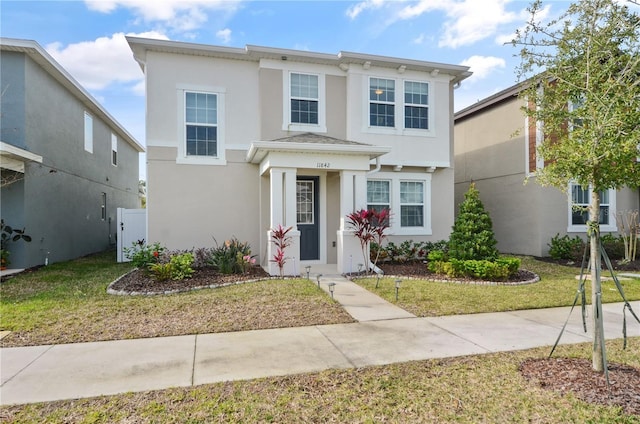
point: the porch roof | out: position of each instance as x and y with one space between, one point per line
13 158
313 143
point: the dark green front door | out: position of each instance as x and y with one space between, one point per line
307 216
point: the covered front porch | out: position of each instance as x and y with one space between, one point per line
311 182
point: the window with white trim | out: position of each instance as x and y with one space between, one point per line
201 124
411 204
304 99
382 93
578 208
88 132
378 195
407 196
114 150
416 105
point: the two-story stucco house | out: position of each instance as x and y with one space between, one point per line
241 140
66 163
495 146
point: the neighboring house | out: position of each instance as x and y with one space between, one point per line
241 140
66 163
495 147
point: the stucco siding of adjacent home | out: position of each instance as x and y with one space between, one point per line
492 149
68 201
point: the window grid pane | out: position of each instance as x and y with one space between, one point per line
382 99
581 199
201 118
378 195
304 202
411 204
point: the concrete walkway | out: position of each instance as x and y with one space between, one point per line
384 334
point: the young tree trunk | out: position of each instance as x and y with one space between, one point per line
596 286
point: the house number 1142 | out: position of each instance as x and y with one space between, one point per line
323 165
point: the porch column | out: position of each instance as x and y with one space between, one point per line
283 212
353 197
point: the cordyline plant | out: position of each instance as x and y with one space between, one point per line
281 241
370 225
582 73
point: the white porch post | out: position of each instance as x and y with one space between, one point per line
283 212
353 197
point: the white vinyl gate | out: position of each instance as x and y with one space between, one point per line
132 227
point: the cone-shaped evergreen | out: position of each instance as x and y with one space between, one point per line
472 236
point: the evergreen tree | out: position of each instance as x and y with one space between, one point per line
472 236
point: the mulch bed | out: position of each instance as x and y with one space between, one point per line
576 375
139 282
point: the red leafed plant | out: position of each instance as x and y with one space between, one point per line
370 225
281 241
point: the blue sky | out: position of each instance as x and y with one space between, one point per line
87 37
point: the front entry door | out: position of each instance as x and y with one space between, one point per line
307 216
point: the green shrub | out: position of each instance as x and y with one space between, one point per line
161 271
224 258
512 264
614 246
142 255
566 247
472 236
181 266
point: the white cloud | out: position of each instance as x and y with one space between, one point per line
355 10
179 15
224 35
483 66
99 63
419 39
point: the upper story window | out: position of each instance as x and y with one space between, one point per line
201 124
304 99
382 94
304 102
416 105
114 150
578 212
88 132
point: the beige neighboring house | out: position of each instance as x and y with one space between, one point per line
241 140
495 147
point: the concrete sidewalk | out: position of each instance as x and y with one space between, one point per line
384 335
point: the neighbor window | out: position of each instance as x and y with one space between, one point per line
382 93
411 203
114 150
580 201
304 99
201 124
416 105
378 195
88 132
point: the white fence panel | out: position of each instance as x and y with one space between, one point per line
132 226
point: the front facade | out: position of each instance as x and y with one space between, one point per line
241 141
66 163
495 147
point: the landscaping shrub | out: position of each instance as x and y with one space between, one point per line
472 236
566 247
614 246
142 255
406 251
224 258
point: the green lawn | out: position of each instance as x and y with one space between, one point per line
557 287
68 303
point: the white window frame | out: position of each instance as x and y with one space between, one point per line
610 227
416 105
182 157
287 125
385 204
394 187
88 132
399 104
114 149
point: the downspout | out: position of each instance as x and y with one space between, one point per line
377 168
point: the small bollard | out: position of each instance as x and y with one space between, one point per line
308 269
318 278
398 281
331 288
